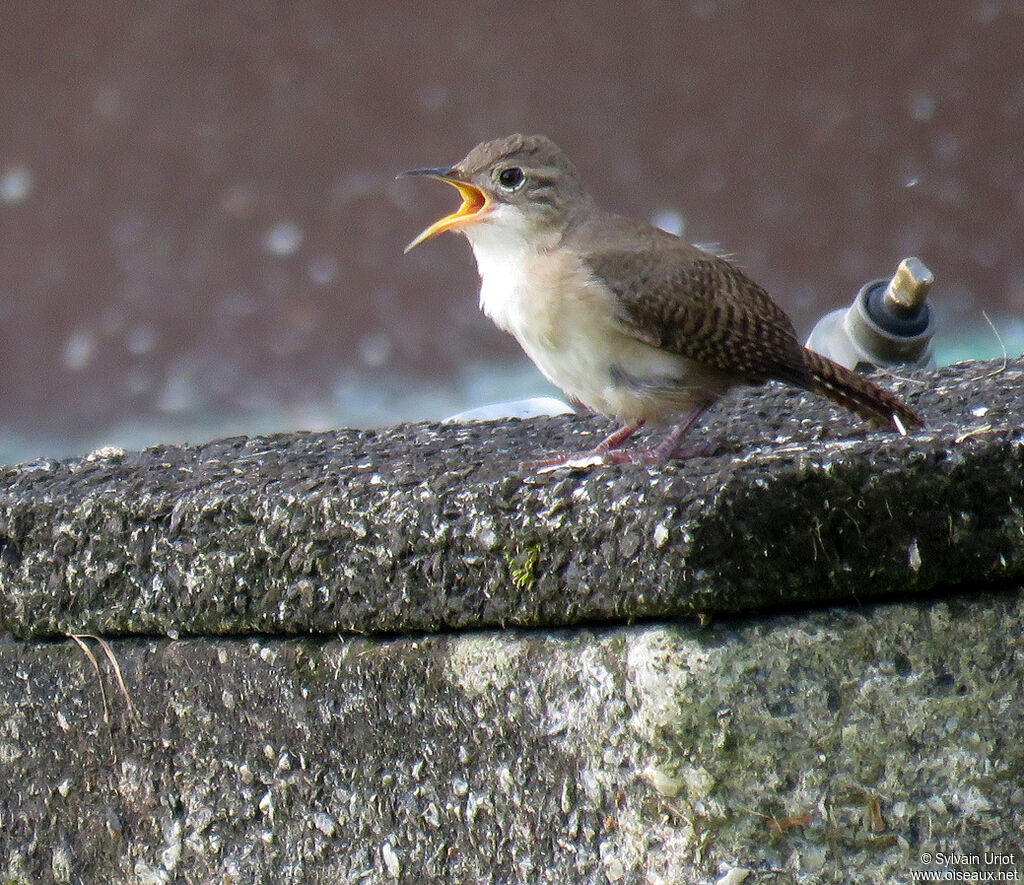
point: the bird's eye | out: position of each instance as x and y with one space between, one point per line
511 178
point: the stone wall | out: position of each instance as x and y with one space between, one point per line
398 656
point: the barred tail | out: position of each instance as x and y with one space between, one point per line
859 395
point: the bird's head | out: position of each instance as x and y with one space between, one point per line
520 184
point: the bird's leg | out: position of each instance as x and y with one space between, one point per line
665 450
668 448
615 439
609 444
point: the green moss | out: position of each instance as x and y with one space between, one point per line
522 566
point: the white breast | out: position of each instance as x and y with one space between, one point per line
566 322
503 256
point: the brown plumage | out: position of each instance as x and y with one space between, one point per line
677 297
628 319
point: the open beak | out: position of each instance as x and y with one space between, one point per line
474 204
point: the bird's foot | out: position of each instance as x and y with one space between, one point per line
655 455
608 451
649 457
581 461
593 458
668 449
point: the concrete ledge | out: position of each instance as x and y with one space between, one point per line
431 527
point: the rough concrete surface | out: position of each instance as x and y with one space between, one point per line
428 527
247 735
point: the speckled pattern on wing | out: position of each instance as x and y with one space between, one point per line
675 296
705 309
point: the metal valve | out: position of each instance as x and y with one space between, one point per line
888 324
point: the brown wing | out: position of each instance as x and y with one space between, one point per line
703 308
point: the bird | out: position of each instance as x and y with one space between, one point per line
629 320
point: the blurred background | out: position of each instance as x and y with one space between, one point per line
201 233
